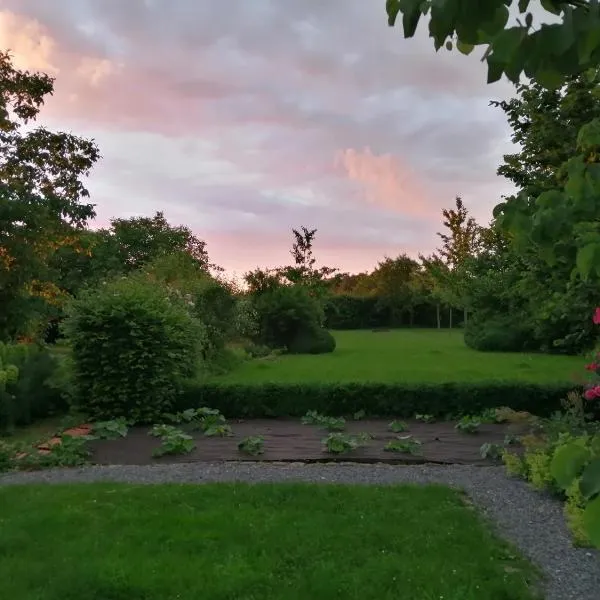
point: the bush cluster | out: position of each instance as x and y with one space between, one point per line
26 392
133 343
291 318
376 399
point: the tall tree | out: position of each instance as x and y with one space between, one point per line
458 245
303 270
139 240
42 199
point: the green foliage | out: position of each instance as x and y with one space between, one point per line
568 462
514 464
312 417
539 473
498 334
218 430
132 347
405 445
468 424
340 443
141 240
312 341
394 400
493 451
286 312
26 393
546 53
173 441
252 445
111 430
397 426
41 201
359 414
71 452
425 418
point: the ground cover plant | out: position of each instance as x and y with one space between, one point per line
404 444
215 542
406 356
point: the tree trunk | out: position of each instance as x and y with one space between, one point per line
450 324
438 316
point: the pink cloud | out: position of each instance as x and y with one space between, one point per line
244 122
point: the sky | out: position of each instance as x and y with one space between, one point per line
244 119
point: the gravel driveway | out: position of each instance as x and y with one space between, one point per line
532 521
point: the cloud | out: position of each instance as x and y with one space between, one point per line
245 119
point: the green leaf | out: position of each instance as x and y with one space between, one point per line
590 480
587 43
464 48
495 71
552 6
449 45
548 77
505 44
588 137
528 20
497 24
411 14
523 5
550 199
588 259
392 8
591 521
567 463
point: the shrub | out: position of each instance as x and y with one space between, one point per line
313 340
497 334
284 312
26 394
132 346
377 399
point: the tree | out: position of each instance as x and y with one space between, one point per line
549 55
140 240
303 270
41 199
460 243
392 281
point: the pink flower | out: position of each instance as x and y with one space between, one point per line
592 367
592 393
596 317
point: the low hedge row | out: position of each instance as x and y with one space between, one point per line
239 401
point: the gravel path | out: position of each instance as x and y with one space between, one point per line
532 521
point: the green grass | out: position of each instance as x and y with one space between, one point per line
411 356
245 542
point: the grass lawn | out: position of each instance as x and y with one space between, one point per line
417 355
245 542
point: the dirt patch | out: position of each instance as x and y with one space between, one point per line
289 440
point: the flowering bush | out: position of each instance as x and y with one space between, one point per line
593 389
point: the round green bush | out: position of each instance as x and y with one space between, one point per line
312 341
133 344
284 312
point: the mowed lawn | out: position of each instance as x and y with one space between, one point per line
417 355
251 542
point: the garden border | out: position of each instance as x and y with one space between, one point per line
241 401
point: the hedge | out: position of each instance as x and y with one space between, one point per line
239 401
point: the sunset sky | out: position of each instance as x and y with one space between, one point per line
242 119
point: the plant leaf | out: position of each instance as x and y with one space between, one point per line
590 480
567 463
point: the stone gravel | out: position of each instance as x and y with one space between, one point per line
532 521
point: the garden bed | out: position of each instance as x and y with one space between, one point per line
289 440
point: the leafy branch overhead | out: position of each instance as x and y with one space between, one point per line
546 52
